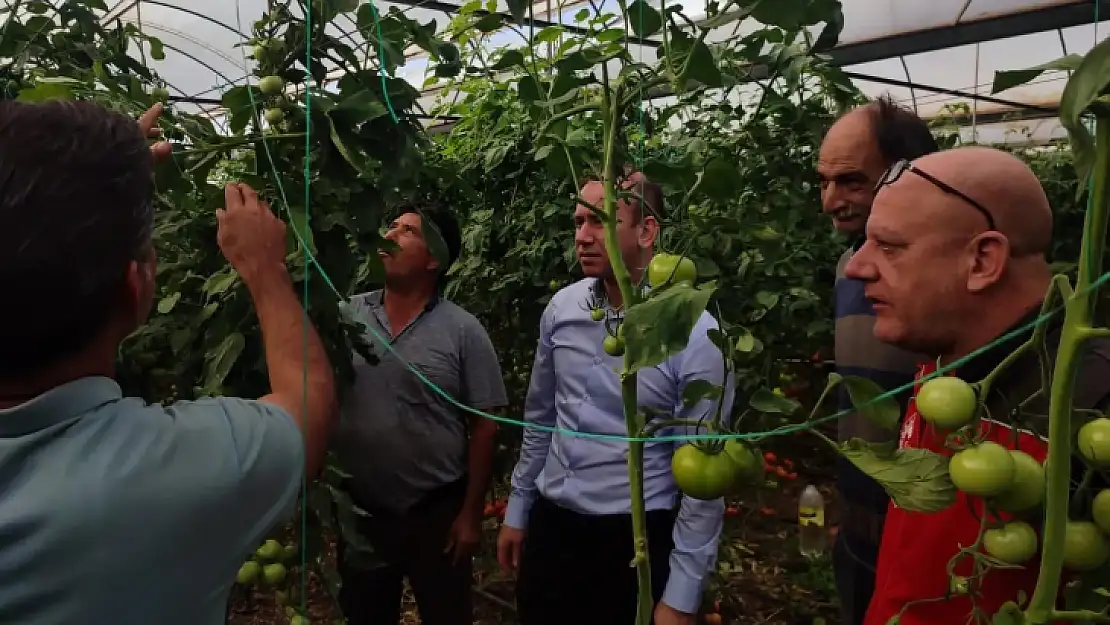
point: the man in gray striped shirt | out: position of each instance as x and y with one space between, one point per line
856 151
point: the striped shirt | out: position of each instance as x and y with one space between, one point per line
859 353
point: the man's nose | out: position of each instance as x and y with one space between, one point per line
832 199
582 236
859 266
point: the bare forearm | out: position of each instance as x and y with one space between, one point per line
480 460
301 376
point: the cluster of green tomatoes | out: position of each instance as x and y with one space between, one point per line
1013 482
273 87
266 564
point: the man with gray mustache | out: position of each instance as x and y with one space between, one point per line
857 149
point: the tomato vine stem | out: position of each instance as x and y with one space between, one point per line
1078 311
613 107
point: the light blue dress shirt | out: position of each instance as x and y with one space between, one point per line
575 386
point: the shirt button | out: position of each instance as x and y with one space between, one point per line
597 361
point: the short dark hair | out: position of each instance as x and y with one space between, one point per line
76 192
899 132
445 222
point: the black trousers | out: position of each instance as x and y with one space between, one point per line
854 562
575 568
411 544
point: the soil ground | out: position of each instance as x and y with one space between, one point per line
761 577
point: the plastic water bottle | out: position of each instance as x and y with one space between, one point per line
812 537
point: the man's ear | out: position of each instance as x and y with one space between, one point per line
987 256
649 231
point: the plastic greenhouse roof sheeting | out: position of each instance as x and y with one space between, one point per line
203 60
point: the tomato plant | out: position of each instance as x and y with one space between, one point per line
703 474
746 462
986 469
947 402
1013 543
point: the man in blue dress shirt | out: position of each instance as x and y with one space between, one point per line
567 532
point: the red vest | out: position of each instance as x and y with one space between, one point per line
916 548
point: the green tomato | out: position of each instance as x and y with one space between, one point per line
274 115
665 269
274 573
1100 510
270 551
259 52
160 94
597 314
297 619
271 85
553 285
1085 548
613 346
248 573
946 402
702 475
1094 442
1028 488
746 461
984 470
1013 543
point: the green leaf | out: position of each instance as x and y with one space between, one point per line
517 8
643 18
1083 88
550 34
660 327
786 14
167 303
509 59
720 180
830 34
701 66
867 400
488 23
220 360
434 240
917 480
157 50
46 91
768 401
697 390
527 89
1008 79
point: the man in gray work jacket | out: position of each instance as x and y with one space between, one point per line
406 445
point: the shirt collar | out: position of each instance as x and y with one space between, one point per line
59 404
377 299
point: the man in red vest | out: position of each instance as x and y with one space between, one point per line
955 259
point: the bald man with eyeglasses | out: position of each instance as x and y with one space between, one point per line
954 261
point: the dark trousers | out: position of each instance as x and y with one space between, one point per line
855 553
411 544
854 563
575 568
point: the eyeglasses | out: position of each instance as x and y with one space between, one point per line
897 169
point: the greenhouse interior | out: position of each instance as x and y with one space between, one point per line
931 56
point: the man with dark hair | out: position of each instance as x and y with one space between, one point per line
568 530
856 151
955 265
406 445
85 471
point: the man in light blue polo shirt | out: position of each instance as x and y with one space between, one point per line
111 510
568 530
